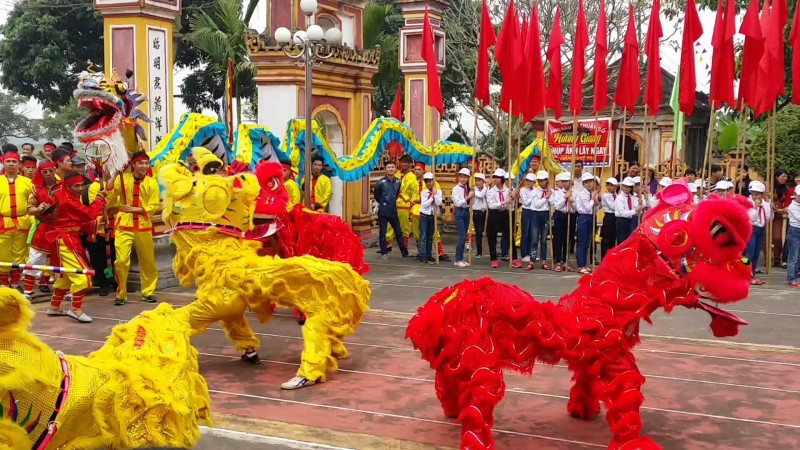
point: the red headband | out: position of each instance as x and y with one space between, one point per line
286 166
49 147
11 155
72 181
47 165
29 163
139 158
420 165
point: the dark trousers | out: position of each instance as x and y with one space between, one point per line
394 221
426 237
98 258
461 217
624 228
479 222
527 233
541 230
573 231
498 223
754 246
608 233
560 237
585 238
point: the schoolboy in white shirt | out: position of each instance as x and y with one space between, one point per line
760 217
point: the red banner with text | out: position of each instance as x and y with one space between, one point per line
592 141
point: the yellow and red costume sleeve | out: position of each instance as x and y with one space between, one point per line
143 194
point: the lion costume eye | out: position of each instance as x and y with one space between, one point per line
673 239
273 184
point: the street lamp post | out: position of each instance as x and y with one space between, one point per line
310 46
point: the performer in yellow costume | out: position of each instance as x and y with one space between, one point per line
136 195
141 389
321 188
209 215
409 195
292 188
14 192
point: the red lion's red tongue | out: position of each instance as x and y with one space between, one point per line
723 323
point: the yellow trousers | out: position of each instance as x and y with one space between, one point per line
13 248
223 305
405 225
74 282
142 241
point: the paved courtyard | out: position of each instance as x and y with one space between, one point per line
701 392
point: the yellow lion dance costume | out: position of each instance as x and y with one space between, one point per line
142 388
209 215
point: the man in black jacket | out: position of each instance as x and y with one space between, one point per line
386 191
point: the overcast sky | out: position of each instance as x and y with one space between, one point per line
670 58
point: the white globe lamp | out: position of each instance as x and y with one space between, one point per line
333 36
309 7
283 35
315 33
300 37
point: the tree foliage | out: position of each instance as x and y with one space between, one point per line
60 124
787 146
13 120
381 23
46 44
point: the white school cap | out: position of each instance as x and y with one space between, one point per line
427 176
757 186
499 173
464 171
723 185
563 176
542 175
628 181
666 181
612 181
480 176
587 177
637 180
692 187
530 177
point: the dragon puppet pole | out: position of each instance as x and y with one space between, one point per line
510 147
54 269
474 155
572 187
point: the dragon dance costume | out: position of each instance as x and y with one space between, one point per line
41 247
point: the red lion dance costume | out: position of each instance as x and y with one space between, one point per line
473 331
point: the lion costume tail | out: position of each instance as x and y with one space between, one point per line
470 333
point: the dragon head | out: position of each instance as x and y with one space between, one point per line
703 246
113 115
207 197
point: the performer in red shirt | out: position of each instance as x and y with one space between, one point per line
71 219
39 206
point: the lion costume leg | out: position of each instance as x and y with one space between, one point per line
583 400
223 305
622 386
316 358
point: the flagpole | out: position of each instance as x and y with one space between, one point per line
706 162
510 147
644 159
572 187
739 152
474 159
771 182
549 220
518 214
594 172
435 208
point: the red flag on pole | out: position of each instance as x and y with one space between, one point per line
723 65
628 83
504 53
794 40
521 71
768 89
554 85
600 67
751 55
581 41
779 8
653 92
692 31
487 39
535 93
397 105
429 55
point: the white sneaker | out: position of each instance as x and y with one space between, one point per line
83 318
526 259
297 382
466 246
54 312
478 256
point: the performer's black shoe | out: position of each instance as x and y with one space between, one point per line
444 257
149 299
301 321
45 288
119 302
251 357
104 291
